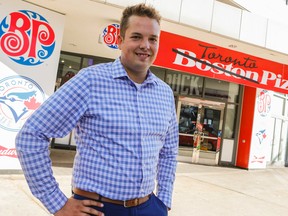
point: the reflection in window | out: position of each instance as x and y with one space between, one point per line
223 90
184 83
87 62
211 121
234 90
187 124
187 119
69 65
159 72
94 60
229 130
216 89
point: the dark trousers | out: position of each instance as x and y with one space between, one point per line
153 207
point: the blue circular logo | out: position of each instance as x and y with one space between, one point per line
26 37
110 35
19 97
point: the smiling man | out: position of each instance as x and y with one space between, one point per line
139 42
126 132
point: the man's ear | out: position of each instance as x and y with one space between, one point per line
120 41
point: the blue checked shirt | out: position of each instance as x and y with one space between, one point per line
127 137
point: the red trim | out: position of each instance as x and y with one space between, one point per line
245 131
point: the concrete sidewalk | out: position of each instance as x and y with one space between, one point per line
199 190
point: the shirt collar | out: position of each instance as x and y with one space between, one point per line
118 71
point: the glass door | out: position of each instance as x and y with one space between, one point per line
187 123
200 127
211 128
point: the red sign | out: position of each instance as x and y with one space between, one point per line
192 56
8 152
28 38
110 35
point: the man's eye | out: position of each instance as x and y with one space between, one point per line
135 37
153 40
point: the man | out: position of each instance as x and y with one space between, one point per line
126 132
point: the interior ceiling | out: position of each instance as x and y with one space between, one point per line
97 9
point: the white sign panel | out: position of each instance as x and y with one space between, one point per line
30 43
262 130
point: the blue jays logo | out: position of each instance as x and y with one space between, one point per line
261 135
19 98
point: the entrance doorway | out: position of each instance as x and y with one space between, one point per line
200 129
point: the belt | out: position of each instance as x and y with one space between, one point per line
127 203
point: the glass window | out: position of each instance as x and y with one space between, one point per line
277 107
211 121
233 93
187 119
184 83
223 90
216 89
69 65
230 123
87 62
159 72
286 107
187 124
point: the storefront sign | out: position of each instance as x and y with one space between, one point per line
203 59
19 97
30 43
264 103
110 35
262 130
27 37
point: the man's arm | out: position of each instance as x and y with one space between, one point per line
168 161
55 118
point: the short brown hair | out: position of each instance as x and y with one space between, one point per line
137 10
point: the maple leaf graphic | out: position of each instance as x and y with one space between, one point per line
32 104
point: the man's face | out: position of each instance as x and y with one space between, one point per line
140 44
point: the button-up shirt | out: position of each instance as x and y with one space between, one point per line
126 136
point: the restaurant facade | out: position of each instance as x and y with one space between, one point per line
231 106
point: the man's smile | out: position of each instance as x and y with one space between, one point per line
143 55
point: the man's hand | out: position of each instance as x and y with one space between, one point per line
74 207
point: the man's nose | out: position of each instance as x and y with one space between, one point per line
145 44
